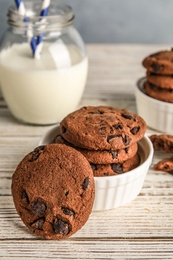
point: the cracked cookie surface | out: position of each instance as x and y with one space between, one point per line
102 128
53 191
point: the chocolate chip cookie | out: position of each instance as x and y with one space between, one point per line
162 142
165 165
100 170
158 93
53 191
160 62
102 128
103 156
162 81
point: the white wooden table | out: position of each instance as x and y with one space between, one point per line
143 229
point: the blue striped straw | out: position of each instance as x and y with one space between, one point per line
20 7
38 43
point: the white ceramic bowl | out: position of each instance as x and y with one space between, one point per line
157 114
114 191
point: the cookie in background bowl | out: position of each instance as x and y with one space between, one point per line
159 80
158 93
154 93
160 62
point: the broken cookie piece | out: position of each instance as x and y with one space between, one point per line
165 165
162 142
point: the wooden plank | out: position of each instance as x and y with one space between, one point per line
88 249
14 149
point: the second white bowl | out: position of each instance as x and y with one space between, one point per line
157 114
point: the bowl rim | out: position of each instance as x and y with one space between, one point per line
140 83
122 176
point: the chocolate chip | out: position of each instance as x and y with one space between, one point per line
118 126
117 168
126 140
34 156
152 86
39 148
103 128
112 137
85 183
64 129
67 192
39 207
126 149
127 116
161 144
24 196
114 153
61 226
97 112
36 153
93 166
135 130
155 67
68 211
38 224
101 112
152 74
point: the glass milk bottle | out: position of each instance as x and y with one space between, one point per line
42 90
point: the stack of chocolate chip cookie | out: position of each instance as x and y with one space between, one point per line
159 84
106 136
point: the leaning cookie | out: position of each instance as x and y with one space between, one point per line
158 93
165 165
100 170
162 142
53 191
160 62
103 156
102 128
